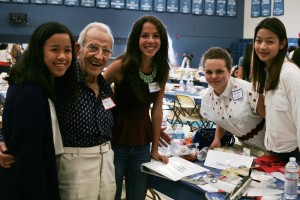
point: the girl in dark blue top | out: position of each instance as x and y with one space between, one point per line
46 74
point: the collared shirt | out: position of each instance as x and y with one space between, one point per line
283 111
86 123
235 110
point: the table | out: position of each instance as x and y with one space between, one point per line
181 190
199 83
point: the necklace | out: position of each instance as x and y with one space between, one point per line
148 78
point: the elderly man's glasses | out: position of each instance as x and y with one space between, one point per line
95 49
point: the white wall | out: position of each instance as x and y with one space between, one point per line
290 18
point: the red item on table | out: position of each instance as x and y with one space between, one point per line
270 163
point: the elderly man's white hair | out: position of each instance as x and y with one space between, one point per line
98 25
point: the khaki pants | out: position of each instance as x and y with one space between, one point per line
87 174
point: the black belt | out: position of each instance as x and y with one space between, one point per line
253 132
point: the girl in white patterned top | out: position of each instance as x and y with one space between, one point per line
230 102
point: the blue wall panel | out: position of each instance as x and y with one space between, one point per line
196 33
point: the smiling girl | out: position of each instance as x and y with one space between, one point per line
140 75
277 77
44 75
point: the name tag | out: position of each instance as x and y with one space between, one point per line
237 94
108 103
154 87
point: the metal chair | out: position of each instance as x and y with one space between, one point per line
153 194
172 107
189 112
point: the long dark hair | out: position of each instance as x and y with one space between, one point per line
131 59
259 75
247 62
32 68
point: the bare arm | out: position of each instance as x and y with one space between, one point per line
218 136
156 116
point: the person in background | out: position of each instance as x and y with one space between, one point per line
45 76
245 66
171 54
240 65
290 49
231 103
296 57
16 52
186 62
5 58
139 75
235 72
292 52
279 79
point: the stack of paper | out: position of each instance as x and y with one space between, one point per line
176 169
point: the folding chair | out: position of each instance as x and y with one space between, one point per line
172 107
189 112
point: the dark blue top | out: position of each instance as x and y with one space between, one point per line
28 135
86 123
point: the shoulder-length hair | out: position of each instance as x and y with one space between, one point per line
32 68
259 76
131 59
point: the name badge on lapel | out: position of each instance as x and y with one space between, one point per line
154 87
108 103
237 94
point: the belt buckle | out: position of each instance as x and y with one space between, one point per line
104 147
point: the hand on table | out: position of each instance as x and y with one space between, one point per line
215 143
156 156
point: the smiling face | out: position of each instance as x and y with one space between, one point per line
58 54
267 45
216 74
91 63
149 41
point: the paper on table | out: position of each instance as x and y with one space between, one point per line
174 170
224 160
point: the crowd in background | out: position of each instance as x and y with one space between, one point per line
9 58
